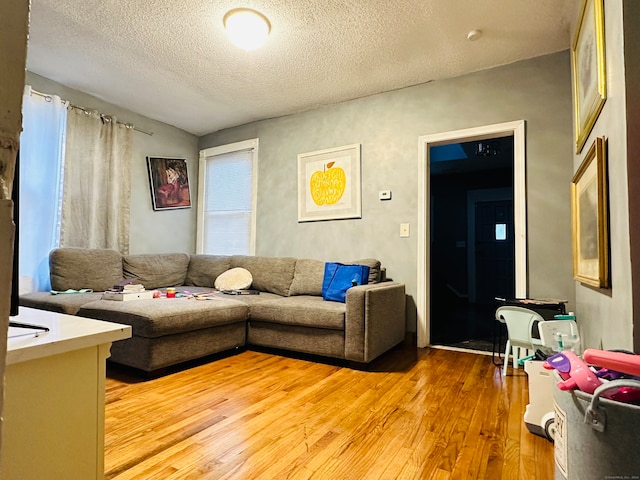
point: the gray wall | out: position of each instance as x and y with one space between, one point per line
151 231
388 126
632 70
606 316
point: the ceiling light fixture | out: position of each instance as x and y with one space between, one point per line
487 149
246 28
474 35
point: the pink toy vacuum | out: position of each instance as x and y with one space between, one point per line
576 373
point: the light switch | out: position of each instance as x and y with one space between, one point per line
384 194
404 230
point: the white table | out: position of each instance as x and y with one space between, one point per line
54 397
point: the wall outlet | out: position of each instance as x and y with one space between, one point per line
384 194
404 230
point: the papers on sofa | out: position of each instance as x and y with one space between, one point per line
126 296
128 292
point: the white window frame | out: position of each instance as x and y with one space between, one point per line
252 145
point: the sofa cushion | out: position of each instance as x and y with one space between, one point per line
270 274
78 268
204 269
155 270
234 279
68 303
302 311
166 316
316 341
307 278
374 268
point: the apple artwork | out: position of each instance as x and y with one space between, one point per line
327 186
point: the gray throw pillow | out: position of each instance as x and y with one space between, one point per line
77 268
374 268
307 278
204 269
270 274
156 270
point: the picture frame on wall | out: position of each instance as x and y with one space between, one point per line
589 213
589 70
329 184
169 183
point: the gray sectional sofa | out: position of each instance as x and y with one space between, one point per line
289 312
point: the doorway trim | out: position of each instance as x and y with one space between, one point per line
425 142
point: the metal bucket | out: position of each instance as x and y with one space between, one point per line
596 438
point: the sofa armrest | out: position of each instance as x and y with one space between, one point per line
375 320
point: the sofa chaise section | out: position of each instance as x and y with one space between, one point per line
172 331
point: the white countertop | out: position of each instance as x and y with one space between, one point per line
66 333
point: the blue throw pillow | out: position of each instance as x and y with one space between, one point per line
338 278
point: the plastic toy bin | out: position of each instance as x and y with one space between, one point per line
596 438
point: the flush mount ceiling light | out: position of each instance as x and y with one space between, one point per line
487 149
474 35
246 28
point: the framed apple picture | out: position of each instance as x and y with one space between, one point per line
329 184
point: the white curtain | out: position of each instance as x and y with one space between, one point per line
97 182
41 157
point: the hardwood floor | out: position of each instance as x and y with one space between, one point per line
413 414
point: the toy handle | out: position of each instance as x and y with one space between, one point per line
620 362
594 415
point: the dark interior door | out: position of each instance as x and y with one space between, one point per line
495 268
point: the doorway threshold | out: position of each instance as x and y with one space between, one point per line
461 349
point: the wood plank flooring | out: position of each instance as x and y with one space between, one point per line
412 414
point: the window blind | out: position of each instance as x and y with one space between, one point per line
228 200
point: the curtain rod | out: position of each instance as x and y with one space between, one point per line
70 105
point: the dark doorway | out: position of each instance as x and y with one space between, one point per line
494 251
472 239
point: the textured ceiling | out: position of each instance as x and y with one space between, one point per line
170 60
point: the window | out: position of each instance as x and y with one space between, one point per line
42 146
227 199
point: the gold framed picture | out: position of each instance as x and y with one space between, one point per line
589 70
589 214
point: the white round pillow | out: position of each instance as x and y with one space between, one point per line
233 279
